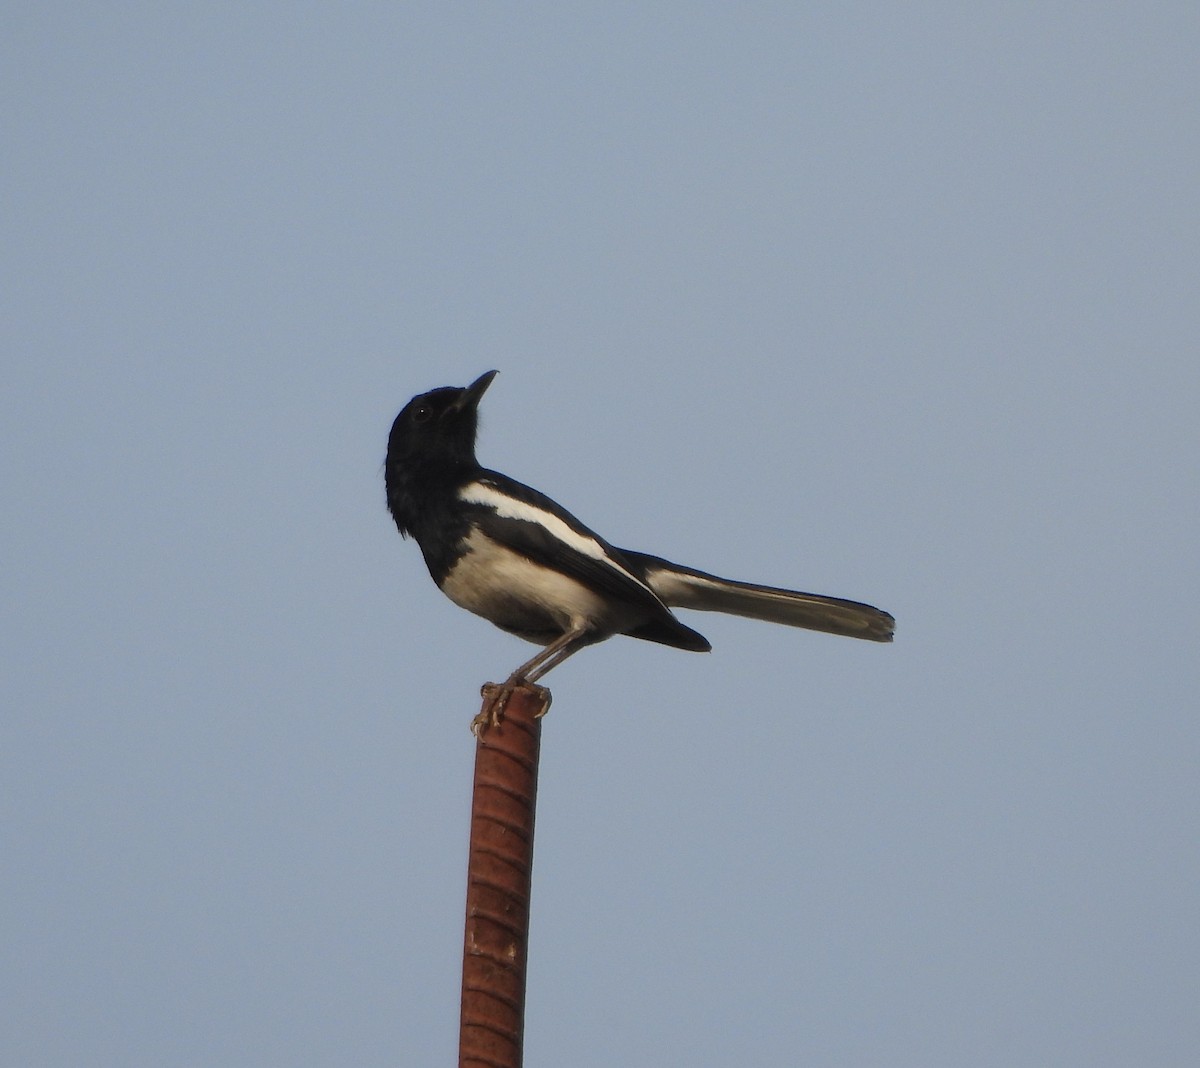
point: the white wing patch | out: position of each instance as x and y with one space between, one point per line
510 508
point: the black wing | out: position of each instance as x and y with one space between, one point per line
532 524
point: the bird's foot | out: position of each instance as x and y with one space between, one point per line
495 701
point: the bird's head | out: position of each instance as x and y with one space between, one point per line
437 427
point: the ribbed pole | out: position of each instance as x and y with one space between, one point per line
492 1025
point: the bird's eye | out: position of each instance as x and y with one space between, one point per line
422 414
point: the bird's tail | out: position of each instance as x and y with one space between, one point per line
685 587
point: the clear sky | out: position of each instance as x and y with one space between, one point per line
892 302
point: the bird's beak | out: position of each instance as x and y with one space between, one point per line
470 397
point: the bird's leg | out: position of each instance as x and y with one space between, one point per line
496 695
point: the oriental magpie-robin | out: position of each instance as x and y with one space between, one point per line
512 555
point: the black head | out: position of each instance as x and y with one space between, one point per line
432 440
438 427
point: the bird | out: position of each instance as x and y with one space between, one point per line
510 554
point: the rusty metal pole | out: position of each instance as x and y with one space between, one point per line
491 1033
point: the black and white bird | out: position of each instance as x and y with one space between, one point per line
512 555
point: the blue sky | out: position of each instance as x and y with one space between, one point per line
896 304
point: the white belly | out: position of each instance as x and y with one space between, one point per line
525 598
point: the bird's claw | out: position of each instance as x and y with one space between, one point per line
495 701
